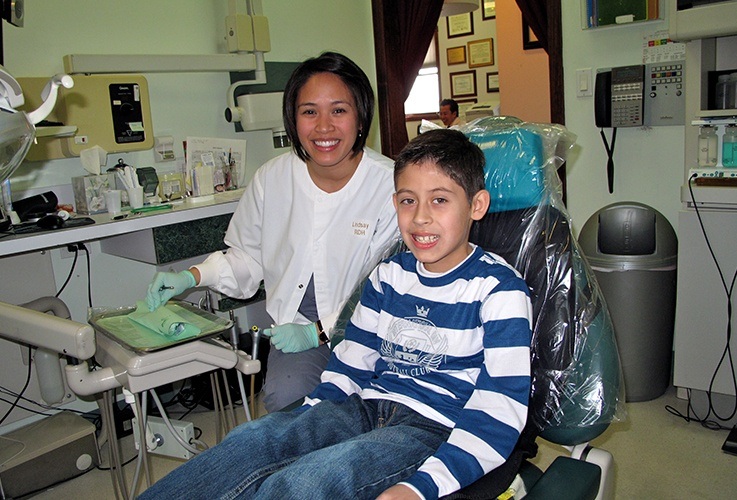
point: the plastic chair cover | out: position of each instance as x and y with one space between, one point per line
577 388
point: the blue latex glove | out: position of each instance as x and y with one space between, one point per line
291 337
167 285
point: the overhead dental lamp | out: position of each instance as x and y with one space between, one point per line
17 130
455 7
259 112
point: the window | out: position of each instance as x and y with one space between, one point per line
425 94
424 98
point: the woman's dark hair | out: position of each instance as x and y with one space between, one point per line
350 74
453 153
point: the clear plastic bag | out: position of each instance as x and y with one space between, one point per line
577 387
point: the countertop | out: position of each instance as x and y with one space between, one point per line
183 211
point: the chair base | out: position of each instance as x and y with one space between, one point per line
567 478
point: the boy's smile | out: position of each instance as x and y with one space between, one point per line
434 215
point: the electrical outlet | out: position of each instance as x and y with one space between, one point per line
167 443
67 252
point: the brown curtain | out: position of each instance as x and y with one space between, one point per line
538 14
535 12
544 19
403 31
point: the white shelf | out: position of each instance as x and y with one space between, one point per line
729 115
151 63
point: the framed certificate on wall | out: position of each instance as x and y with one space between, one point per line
480 53
463 84
460 25
456 55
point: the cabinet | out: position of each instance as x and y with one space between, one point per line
701 329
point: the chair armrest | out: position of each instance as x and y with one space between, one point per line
567 478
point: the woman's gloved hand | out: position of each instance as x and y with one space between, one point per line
291 337
167 285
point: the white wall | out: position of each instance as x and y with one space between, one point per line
185 103
648 162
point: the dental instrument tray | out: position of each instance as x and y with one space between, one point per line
115 324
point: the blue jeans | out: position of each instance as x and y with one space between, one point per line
354 449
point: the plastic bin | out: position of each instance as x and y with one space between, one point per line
633 251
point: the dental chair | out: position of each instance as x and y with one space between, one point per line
577 385
577 388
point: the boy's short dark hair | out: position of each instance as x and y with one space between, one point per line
351 75
459 158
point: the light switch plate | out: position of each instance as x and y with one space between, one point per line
584 82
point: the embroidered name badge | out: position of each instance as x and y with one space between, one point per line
360 228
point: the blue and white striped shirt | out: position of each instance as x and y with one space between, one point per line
454 347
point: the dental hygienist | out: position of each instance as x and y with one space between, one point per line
310 224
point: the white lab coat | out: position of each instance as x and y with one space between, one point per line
285 229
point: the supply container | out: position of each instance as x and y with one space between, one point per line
708 146
729 146
732 91
721 92
633 251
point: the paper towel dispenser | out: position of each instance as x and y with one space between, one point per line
111 111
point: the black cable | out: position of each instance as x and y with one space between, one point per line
705 422
122 465
71 248
20 394
610 157
727 351
47 407
89 273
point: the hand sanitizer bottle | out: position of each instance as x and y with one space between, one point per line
729 147
708 143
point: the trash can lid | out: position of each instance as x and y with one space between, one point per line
629 235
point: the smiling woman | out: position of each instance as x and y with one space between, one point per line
327 127
295 225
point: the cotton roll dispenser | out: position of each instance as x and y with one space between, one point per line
259 112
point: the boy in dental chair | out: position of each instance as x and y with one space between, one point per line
429 389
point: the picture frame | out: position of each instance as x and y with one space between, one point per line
464 105
480 53
529 40
492 81
459 25
463 84
456 55
488 10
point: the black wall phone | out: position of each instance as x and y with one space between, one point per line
633 96
618 100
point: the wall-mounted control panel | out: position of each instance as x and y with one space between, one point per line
111 111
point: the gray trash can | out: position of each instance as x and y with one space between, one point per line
633 251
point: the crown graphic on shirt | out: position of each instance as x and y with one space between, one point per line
422 311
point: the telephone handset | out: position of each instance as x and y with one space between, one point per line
603 99
619 97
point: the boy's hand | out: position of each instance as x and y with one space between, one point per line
291 337
398 492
